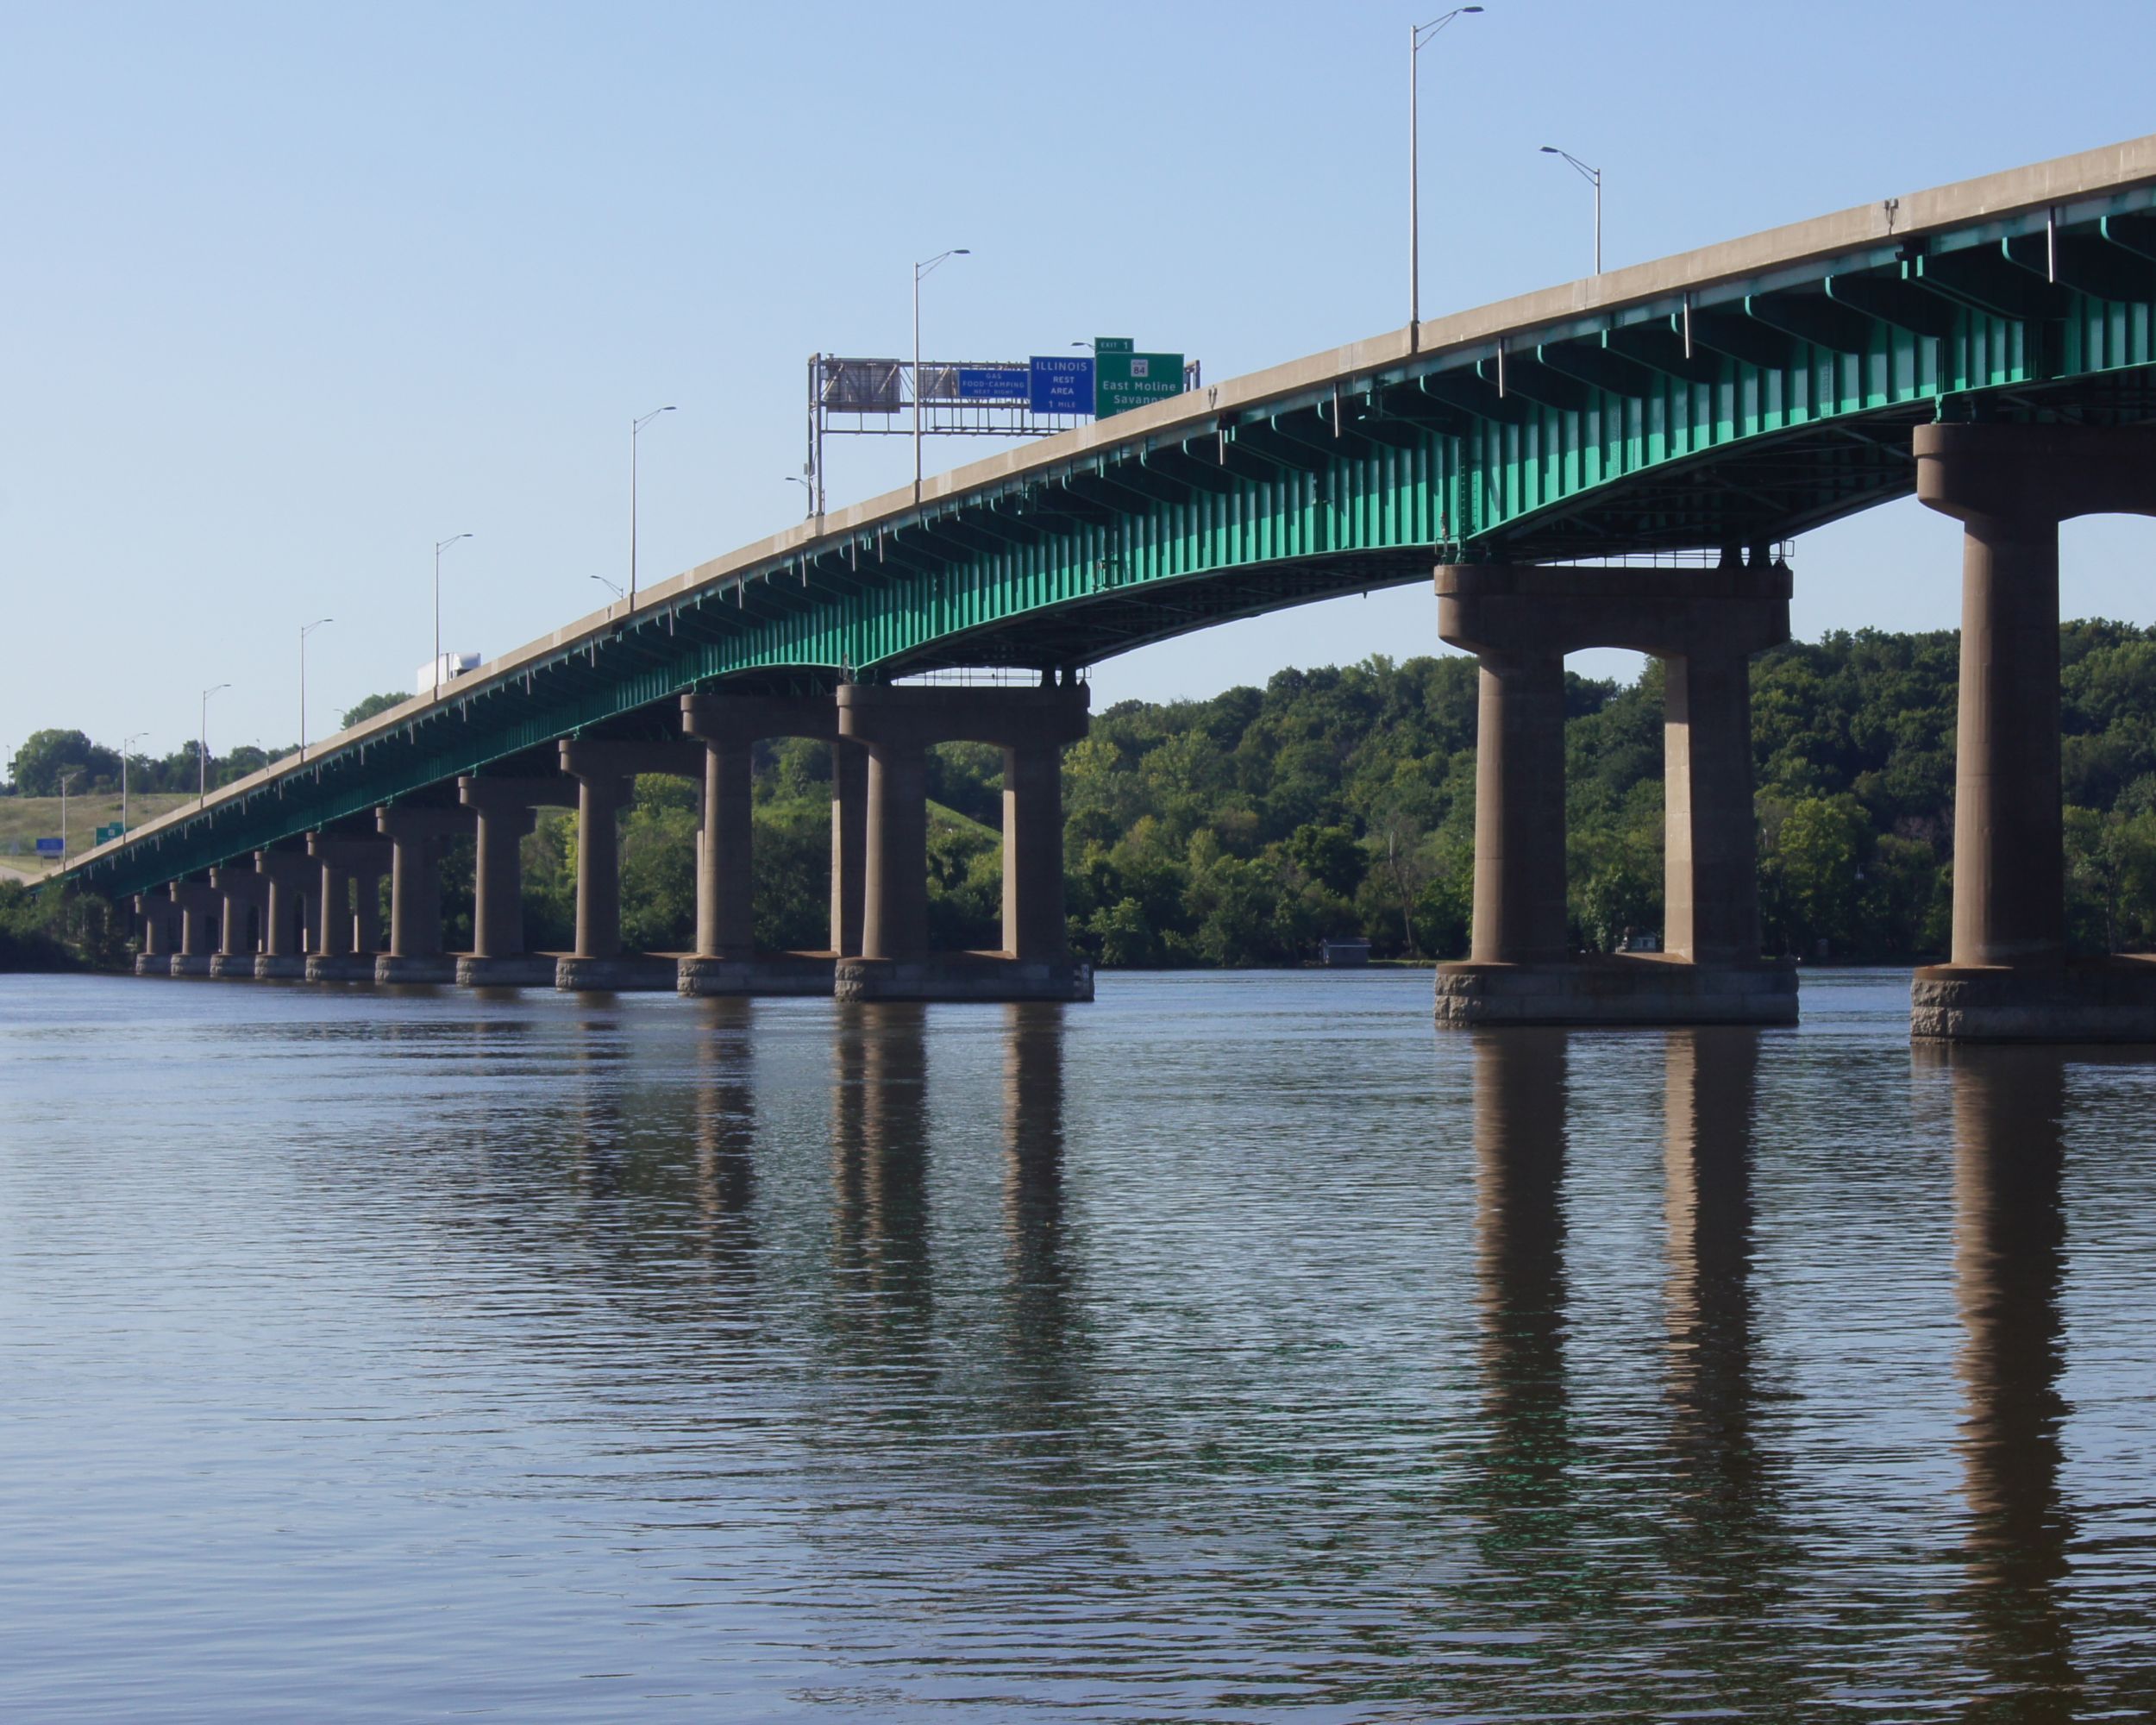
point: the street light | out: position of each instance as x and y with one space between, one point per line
796 478
1593 176
73 772
635 427
613 587
125 742
920 271
305 631
439 546
202 746
1418 36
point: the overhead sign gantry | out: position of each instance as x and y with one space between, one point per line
1033 397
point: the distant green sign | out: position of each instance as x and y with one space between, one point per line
107 833
1122 379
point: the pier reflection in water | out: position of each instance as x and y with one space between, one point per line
1230 1348
2009 1111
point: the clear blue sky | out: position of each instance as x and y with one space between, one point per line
290 292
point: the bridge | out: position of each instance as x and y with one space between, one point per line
1990 346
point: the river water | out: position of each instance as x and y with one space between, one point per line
1237 1347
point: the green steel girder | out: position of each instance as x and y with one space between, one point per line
1737 416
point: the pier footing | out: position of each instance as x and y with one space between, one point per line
962 977
190 963
631 972
768 973
434 968
153 964
289 967
523 971
2097 1000
1625 989
349 968
226 966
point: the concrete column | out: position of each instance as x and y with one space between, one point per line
1033 924
895 912
849 845
414 896
2009 485
1520 913
333 918
2010 866
195 906
896 727
725 903
598 866
504 810
498 904
348 919
240 893
282 898
498 900
1710 856
156 943
415 832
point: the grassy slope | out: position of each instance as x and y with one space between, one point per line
24 820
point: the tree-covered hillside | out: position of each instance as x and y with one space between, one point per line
1243 829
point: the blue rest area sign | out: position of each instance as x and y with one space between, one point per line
49 847
993 383
1061 384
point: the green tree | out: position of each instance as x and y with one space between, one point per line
47 757
369 708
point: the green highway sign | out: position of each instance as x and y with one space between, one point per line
116 830
1124 379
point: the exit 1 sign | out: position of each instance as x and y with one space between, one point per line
1124 379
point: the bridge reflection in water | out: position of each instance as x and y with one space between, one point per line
1296 1360
1738 1547
2010 1113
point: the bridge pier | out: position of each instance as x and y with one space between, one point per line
849 844
285 877
603 771
239 892
2008 977
505 811
198 907
726 961
896 725
348 921
415 836
154 913
1705 625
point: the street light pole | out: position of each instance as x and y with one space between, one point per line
75 773
1593 176
305 631
920 270
202 745
635 426
125 742
1418 36
441 545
